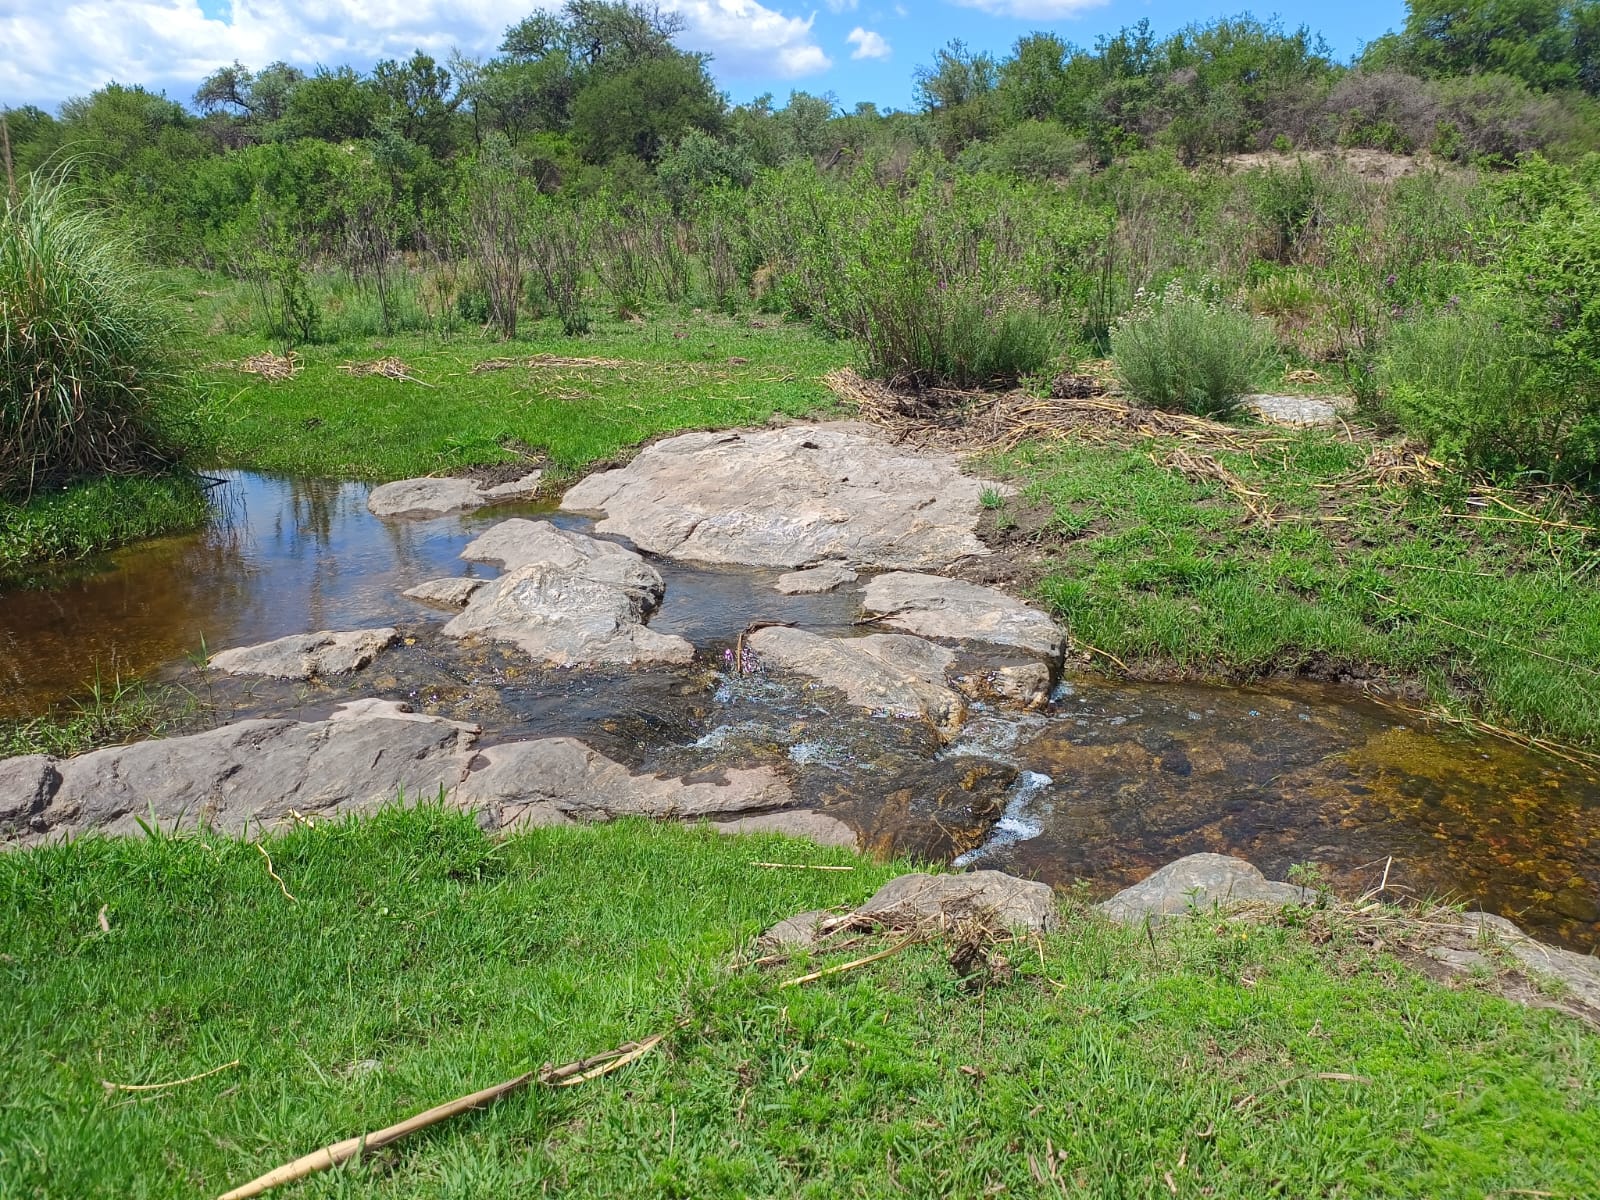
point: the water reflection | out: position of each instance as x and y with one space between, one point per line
290 555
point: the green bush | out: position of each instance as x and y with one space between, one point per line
1472 386
86 352
1181 351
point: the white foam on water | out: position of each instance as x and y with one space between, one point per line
1019 823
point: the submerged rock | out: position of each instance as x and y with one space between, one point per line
435 496
815 580
567 599
893 672
1198 882
305 655
791 496
931 606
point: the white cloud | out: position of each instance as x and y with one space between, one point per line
747 38
867 43
60 50
839 6
1032 10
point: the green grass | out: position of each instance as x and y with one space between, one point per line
419 961
107 714
1155 568
90 518
675 375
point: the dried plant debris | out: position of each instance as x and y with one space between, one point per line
388 368
273 367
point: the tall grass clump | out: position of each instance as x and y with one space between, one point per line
959 282
86 354
1177 350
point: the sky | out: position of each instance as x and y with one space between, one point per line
51 50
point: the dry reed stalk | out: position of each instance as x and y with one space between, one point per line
328 1157
275 368
388 368
558 360
171 1083
1203 468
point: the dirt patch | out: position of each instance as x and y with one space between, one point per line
1379 165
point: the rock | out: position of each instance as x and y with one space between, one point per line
1028 684
933 607
889 671
1195 883
244 777
522 543
791 496
798 932
799 823
304 655
1578 974
567 620
567 599
989 896
815 580
432 497
445 593
26 785
1297 410
560 781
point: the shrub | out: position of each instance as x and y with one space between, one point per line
1467 384
1181 351
85 350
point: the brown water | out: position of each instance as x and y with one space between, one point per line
1113 781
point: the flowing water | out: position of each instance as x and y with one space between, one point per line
1111 781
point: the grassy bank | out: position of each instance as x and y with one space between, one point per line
90 518
584 399
417 961
1483 600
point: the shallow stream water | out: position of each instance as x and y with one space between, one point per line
1111 781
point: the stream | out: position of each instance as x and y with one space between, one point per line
1111 781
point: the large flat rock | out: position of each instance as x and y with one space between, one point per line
251 776
242 777
931 606
1577 974
434 496
790 497
1198 883
556 781
888 672
566 599
307 655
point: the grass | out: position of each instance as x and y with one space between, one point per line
700 372
86 519
419 961
1162 570
107 714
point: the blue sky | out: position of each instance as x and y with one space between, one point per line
856 49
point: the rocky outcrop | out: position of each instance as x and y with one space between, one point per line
934 607
815 580
432 497
1198 883
445 593
1482 936
307 655
253 774
560 781
244 778
991 899
988 897
790 497
888 672
566 599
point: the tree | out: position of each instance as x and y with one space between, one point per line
333 106
418 98
643 109
1548 44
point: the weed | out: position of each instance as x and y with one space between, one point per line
1181 351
